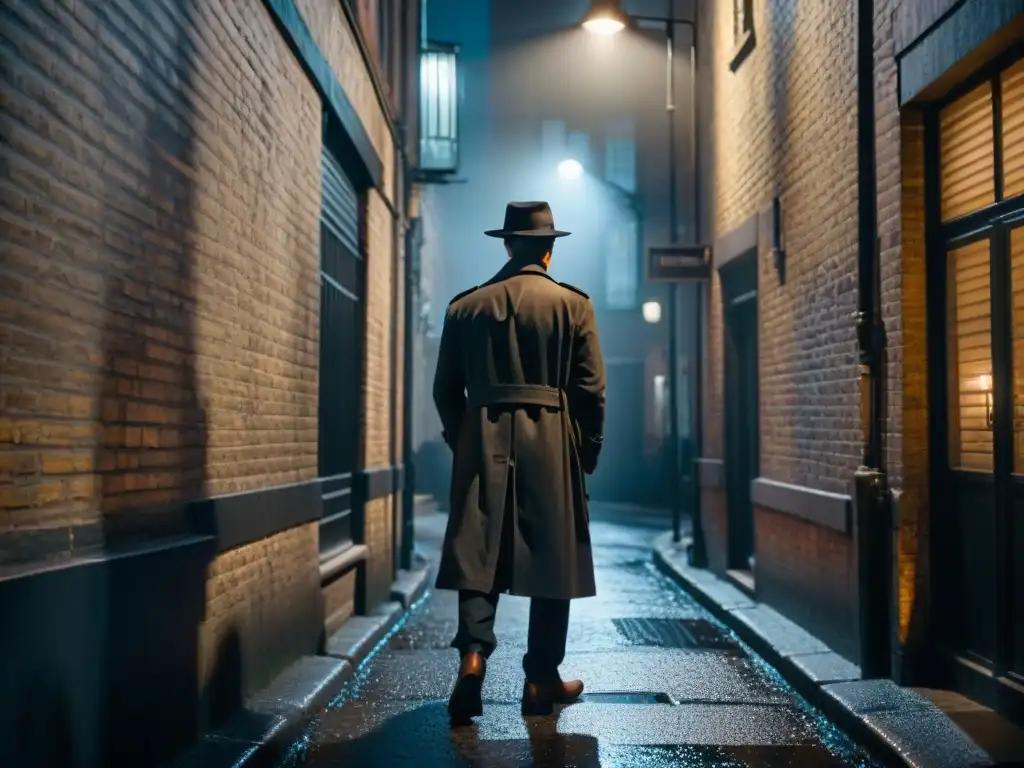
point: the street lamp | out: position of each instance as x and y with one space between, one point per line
651 311
606 17
570 169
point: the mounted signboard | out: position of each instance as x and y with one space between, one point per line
678 263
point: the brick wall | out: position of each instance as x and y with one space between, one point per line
337 41
160 299
808 573
785 123
900 159
909 374
782 128
160 295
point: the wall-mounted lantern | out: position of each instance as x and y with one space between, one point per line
985 385
439 111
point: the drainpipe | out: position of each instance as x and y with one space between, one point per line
872 512
409 381
409 321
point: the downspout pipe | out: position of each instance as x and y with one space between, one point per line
398 223
872 526
409 376
409 294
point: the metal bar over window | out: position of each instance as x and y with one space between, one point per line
439 108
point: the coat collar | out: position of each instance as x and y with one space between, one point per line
513 268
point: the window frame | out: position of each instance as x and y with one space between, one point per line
995 682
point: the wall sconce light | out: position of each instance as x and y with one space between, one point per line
651 311
778 251
985 384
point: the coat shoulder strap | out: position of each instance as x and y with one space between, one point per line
573 288
462 295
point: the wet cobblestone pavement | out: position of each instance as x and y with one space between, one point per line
666 686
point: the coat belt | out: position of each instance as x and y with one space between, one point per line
518 394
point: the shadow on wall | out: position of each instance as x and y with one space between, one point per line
108 651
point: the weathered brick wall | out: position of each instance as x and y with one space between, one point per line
909 376
889 174
901 160
266 598
159 295
160 289
336 39
785 124
808 573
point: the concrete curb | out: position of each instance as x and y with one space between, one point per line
275 718
897 725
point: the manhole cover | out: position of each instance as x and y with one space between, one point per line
694 634
627 697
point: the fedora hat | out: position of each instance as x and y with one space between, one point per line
532 219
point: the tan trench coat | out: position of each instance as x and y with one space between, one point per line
520 389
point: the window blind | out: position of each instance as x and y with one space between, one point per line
967 153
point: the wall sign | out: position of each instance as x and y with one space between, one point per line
678 263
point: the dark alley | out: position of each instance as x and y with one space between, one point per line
487 383
667 685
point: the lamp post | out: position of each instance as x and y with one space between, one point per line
606 17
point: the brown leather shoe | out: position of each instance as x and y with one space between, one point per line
540 698
465 702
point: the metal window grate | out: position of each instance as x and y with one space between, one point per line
439 108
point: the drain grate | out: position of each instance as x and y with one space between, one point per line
628 697
692 634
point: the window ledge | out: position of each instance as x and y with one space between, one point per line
743 48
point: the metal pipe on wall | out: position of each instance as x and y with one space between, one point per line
408 537
872 511
698 552
673 298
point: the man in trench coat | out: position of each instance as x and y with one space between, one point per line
520 389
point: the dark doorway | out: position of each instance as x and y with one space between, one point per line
739 287
342 324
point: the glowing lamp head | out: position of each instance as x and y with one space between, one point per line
570 169
603 26
605 17
651 311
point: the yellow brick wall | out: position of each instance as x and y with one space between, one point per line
159 288
159 296
334 35
266 598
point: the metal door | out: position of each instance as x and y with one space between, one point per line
342 272
741 414
739 295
